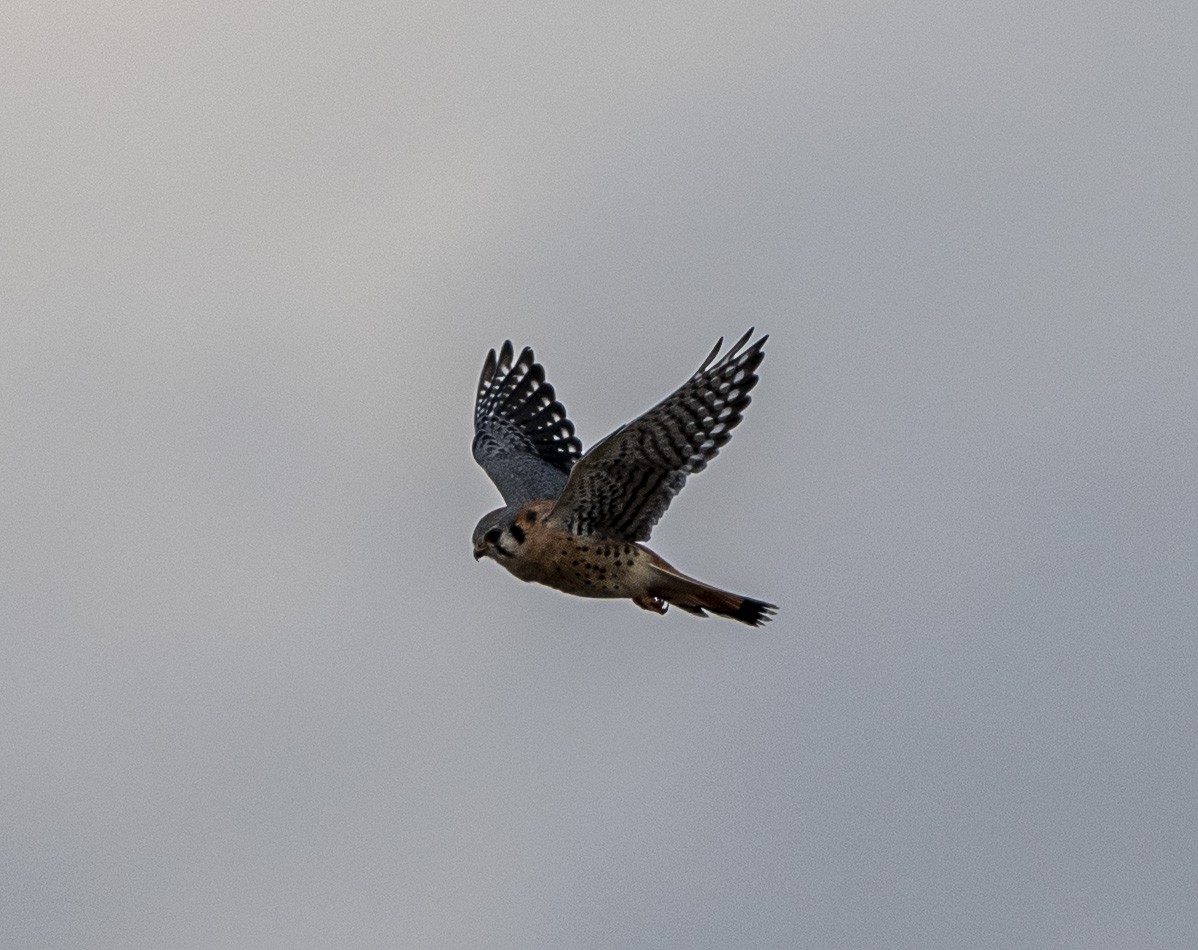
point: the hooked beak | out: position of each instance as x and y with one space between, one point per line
480 551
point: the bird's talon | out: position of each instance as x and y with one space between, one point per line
651 602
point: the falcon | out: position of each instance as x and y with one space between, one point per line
576 521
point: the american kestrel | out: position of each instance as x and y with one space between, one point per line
575 522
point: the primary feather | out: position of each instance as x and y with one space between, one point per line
625 483
522 437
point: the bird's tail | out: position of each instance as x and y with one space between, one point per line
695 597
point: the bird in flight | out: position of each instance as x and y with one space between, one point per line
575 521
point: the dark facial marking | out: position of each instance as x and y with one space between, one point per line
492 538
517 533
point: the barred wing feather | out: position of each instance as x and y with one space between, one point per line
625 483
522 437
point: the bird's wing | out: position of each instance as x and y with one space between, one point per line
624 484
522 437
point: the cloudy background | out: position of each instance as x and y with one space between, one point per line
255 691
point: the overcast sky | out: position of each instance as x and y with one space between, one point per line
256 693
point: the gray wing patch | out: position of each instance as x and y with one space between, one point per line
625 483
522 437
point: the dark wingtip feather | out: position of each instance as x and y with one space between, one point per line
517 412
710 356
739 343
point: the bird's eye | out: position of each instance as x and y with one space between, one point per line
492 536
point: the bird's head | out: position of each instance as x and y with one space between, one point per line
502 533
493 535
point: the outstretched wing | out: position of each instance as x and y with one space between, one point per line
522 437
624 484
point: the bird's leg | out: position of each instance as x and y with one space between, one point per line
651 602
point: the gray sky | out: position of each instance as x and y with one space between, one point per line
257 693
